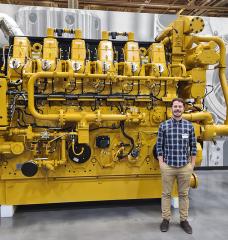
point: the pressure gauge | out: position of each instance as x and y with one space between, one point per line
76 66
160 67
14 63
106 66
134 67
46 65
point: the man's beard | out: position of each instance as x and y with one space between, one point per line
177 113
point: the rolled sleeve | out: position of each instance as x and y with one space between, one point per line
159 144
192 142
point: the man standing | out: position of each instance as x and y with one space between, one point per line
176 150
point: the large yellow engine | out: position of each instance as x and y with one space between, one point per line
79 118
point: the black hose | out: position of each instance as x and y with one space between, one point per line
128 137
111 127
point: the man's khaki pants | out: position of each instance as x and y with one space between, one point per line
183 176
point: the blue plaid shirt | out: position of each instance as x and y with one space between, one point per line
176 142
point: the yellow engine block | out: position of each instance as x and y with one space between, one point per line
79 118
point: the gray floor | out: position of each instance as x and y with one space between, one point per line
128 220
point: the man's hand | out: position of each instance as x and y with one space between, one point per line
160 159
193 161
193 165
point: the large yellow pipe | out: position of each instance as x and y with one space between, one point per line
166 40
167 32
211 131
15 148
100 76
222 65
206 117
5 147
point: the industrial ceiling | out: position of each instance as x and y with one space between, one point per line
213 8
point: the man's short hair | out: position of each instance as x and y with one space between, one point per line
178 100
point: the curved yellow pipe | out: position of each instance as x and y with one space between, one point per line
223 81
164 34
194 181
166 40
182 66
222 65
206 117
79 116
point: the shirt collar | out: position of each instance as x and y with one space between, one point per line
176 121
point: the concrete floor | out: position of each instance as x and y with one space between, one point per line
126 220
